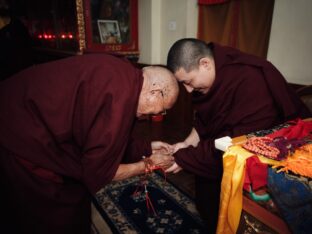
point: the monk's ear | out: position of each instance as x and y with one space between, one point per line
205 62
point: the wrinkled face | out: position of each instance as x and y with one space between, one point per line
200 79
152 103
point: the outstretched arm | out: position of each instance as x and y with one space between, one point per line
191 140
125 171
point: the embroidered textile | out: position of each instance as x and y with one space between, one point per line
293 196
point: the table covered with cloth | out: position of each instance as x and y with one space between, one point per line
295 205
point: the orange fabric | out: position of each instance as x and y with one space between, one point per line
242 24
214 23
300 162
231 200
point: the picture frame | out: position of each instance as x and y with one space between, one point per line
109 31
100 13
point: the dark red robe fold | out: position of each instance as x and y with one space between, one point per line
136 149
72 118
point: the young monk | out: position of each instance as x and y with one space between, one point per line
233 93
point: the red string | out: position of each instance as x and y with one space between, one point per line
143 184
149 203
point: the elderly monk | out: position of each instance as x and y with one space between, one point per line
233 94
65 128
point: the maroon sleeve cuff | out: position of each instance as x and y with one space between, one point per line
202 161
136 149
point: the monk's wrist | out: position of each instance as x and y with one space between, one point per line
140 167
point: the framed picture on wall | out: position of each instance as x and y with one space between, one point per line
109 31
111 26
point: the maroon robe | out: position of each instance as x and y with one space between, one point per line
248 94
65 127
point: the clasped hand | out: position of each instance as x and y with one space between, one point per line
162 155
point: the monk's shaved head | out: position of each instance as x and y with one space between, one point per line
157 78
186 53
161 78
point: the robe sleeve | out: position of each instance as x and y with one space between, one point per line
136 149
202 161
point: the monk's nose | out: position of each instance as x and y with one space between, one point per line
188 88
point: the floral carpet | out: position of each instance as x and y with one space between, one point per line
125 211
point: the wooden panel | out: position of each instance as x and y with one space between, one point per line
264 216
250 225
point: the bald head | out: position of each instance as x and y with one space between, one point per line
160 90
156 77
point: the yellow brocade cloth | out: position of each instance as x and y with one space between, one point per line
231 200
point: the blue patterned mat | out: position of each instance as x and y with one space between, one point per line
125 213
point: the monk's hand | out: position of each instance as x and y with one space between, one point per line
175 168
179 145
162 160
159 147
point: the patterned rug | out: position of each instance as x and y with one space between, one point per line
123 212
